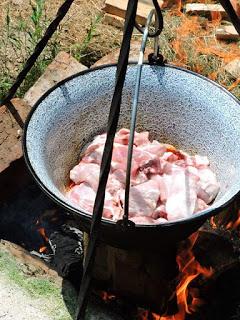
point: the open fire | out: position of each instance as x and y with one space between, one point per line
193 266
188 298
42 232
191 273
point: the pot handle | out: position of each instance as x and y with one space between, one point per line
125 222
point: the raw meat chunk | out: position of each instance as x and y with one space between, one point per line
166 184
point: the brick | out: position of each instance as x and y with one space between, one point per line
227 33
233 68
118 8
63 66
10 132
204 9
133 56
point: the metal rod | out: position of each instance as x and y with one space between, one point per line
134 115
156 39
227 5
106 160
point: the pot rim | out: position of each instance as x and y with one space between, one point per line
207 213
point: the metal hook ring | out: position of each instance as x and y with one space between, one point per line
159 23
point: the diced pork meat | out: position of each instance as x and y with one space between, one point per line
97 142
208 185
122 137
166 184
86 172
143 198
95 156
179 191
155 148
84 196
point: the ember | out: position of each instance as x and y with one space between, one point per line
42 249
106 296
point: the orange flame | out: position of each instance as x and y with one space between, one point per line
213 224
189 269
43 234
234 224
187 298
42 249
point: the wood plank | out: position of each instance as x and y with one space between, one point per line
204 9
118 8
233 68
113 20
227 33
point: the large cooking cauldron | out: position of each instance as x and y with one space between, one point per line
177 106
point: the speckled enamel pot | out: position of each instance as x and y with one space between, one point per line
177 106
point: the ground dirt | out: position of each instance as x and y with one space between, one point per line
28 292
16 304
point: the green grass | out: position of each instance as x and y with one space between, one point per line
19 38
39 288
81 51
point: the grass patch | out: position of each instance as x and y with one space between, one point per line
19 38
185 41
81 51
43 290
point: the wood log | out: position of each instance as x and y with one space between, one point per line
118 8
144 278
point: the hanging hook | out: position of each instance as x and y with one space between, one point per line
155 58
125 222
158 22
